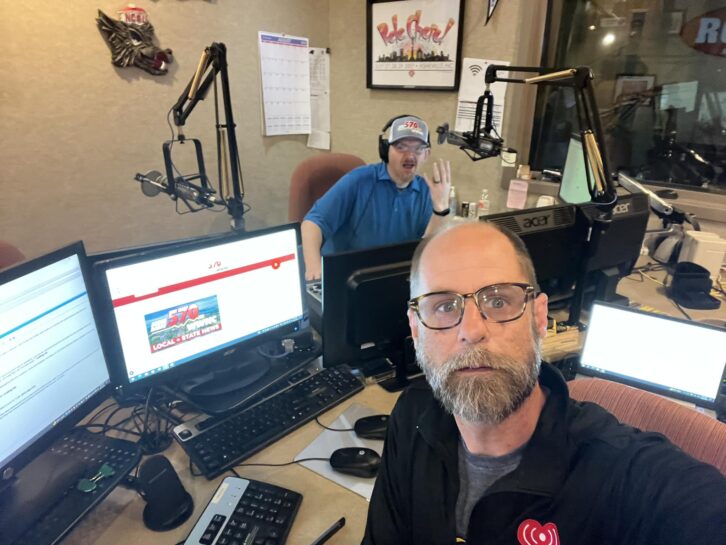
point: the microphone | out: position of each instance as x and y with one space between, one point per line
154 182
476 146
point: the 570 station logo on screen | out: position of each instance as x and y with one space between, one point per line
182 323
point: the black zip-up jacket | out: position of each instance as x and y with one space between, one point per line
584 478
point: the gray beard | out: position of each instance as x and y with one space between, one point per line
486 399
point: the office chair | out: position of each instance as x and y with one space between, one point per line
9 254
695 433
313 177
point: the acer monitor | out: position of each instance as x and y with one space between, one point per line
564 247
105 255
364 304
555 237
191 316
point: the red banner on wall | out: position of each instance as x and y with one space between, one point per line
707 33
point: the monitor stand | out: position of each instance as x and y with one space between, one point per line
231 377
406 368
237 382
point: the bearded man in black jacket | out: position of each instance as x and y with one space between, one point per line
491 449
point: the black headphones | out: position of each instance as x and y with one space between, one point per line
383 144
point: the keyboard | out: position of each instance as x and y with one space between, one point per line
315 289
216 444
245 512
94 450
314 300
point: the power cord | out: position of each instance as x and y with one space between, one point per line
331 429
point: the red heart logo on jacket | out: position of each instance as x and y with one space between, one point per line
531 532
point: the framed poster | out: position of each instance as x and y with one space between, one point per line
414 44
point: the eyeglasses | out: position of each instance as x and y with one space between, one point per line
497 303
405 148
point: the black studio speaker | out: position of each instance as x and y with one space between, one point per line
168 504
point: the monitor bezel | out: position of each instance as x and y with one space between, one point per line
117 367
65 424
337 271
117 253
647 386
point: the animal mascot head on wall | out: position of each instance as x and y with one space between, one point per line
131 40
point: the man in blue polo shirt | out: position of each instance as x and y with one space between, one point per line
383 203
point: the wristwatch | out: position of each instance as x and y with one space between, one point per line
442 212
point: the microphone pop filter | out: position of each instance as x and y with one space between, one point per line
150 189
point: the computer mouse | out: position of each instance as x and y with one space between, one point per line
371 427
357 461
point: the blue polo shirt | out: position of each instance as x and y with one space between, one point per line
365 208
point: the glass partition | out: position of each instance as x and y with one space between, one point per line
660 83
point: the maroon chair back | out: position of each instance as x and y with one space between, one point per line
313 177
695 433
9 254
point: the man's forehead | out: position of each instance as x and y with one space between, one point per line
479 254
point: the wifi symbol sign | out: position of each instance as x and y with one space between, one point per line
475 69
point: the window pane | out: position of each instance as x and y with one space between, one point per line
660 85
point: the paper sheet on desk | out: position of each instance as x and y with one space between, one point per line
328 441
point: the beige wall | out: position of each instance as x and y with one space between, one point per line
513 34
75 129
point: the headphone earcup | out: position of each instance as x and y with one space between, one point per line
383 148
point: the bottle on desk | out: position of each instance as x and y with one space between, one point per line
483 204
453 201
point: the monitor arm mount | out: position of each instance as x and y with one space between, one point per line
195 189
601 187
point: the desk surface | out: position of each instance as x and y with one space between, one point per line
120 515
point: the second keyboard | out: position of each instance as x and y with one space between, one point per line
227 441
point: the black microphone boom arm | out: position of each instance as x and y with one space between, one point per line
483 141
599 179
213 63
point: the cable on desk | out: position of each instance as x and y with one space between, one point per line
642 274
100 411
286 463
681 309
331 429
155 441
107 428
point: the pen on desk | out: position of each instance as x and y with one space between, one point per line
327 534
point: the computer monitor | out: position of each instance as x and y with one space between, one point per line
190 316
105 255
555 237
615 249
364 300
566 243
678 358
53 369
